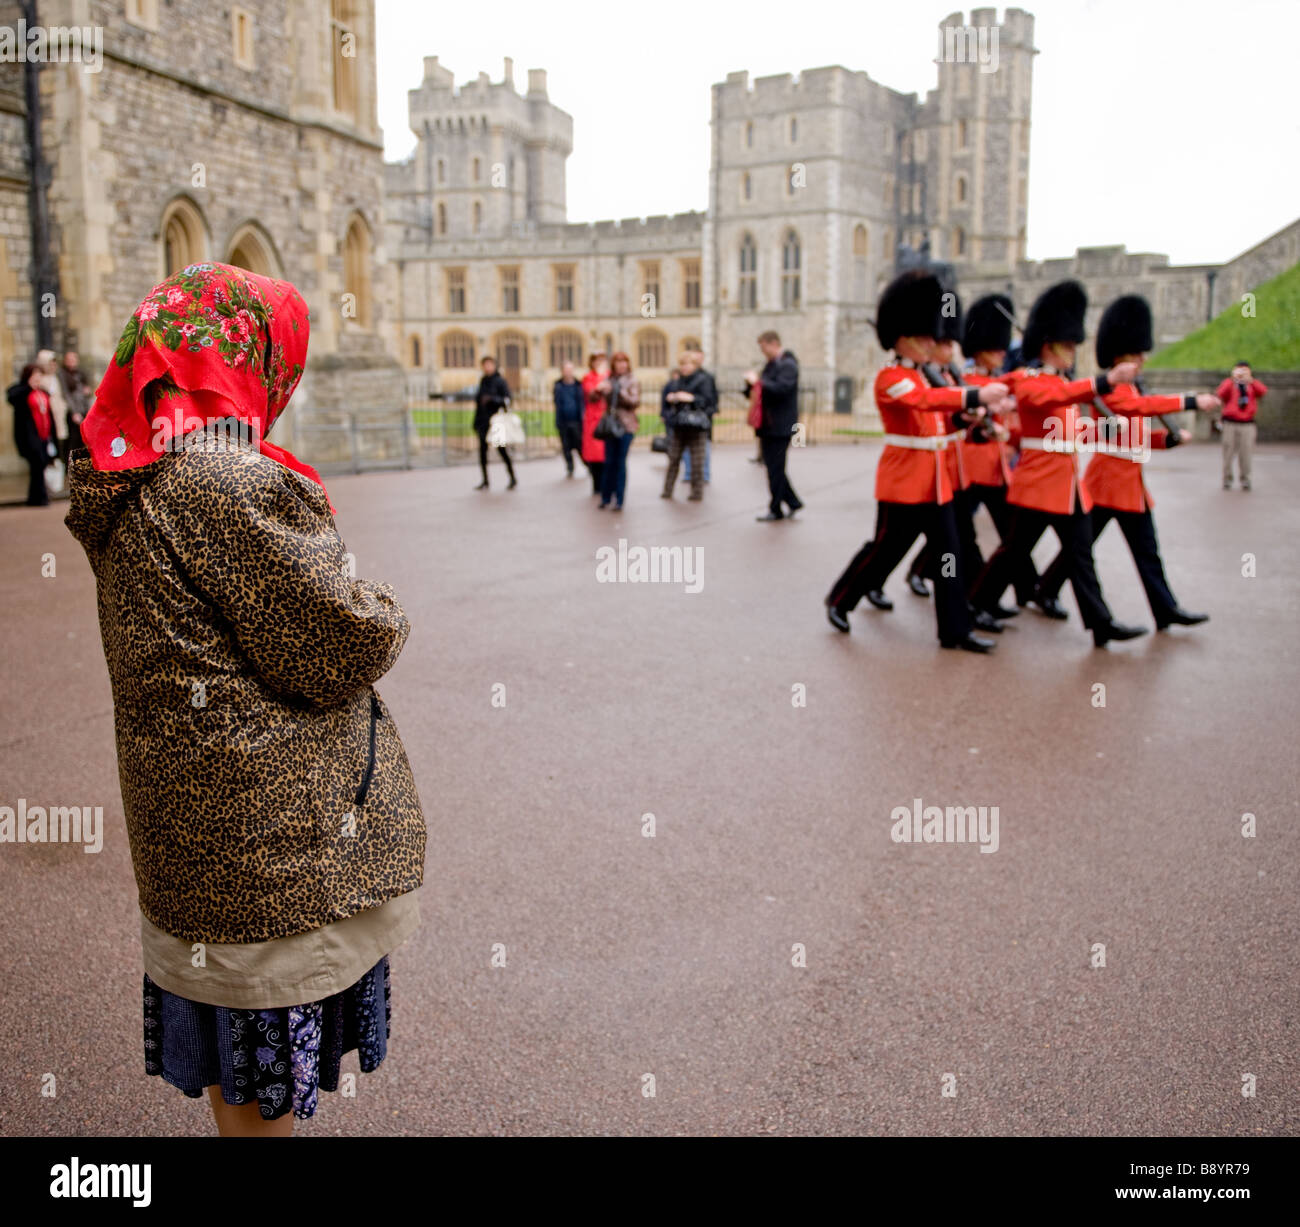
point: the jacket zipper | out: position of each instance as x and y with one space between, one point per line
370 761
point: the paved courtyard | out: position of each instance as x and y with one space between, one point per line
1119 826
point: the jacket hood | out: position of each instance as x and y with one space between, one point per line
99 498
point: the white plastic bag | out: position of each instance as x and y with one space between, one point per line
505 429
54 476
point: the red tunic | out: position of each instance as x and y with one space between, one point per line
1048 408
1115 481
910 408
985 464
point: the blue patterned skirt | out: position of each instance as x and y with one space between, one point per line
276 1058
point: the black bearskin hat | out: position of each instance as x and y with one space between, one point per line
1057 315
988 325
951 318
1125 328
909 307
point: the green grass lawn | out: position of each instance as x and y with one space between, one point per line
1269 340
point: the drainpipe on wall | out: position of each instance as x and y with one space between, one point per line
45 273
1209 298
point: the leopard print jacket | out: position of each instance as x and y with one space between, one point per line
265 788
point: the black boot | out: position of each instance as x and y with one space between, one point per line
1180 617
972 643
917 584
880 600
1102 635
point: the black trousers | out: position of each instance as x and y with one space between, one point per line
1074 531
897 527
928 560
1139 529
778 484
967 502
597 470
483 454
571 441
37 494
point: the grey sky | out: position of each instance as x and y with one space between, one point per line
1166 125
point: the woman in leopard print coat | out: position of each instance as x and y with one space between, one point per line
266 791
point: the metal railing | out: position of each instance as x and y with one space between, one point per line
442 432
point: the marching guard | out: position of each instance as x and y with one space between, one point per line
985 452
914 489
1044 488
1114 476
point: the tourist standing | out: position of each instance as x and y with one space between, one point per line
708 434
692 401
779 391
622 397
1240 394
271 811
33 430
76 395
593 449
570 406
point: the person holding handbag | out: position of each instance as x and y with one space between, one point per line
593 449
617 427
272 816
493 395
691 401
34 434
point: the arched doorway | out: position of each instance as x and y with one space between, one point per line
511 349
356 271
250 247
184 236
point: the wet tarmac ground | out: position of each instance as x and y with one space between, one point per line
770 955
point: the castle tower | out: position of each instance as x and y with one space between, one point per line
967 158
801 216
489 162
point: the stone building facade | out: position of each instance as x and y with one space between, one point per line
247 135
812 183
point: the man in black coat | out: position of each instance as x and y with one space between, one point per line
493 394
780 404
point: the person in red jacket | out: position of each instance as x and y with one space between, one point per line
1114 476
945 363
593 449
1240 394
988 450
981 457
1045 487
914 490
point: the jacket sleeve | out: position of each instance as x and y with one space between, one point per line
1258 388
265 552
706 397
1225 390
912 392
783 380
1041 394
1127 400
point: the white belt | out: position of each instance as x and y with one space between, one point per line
1070 446
924 443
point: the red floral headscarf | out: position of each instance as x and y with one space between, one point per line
224 342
